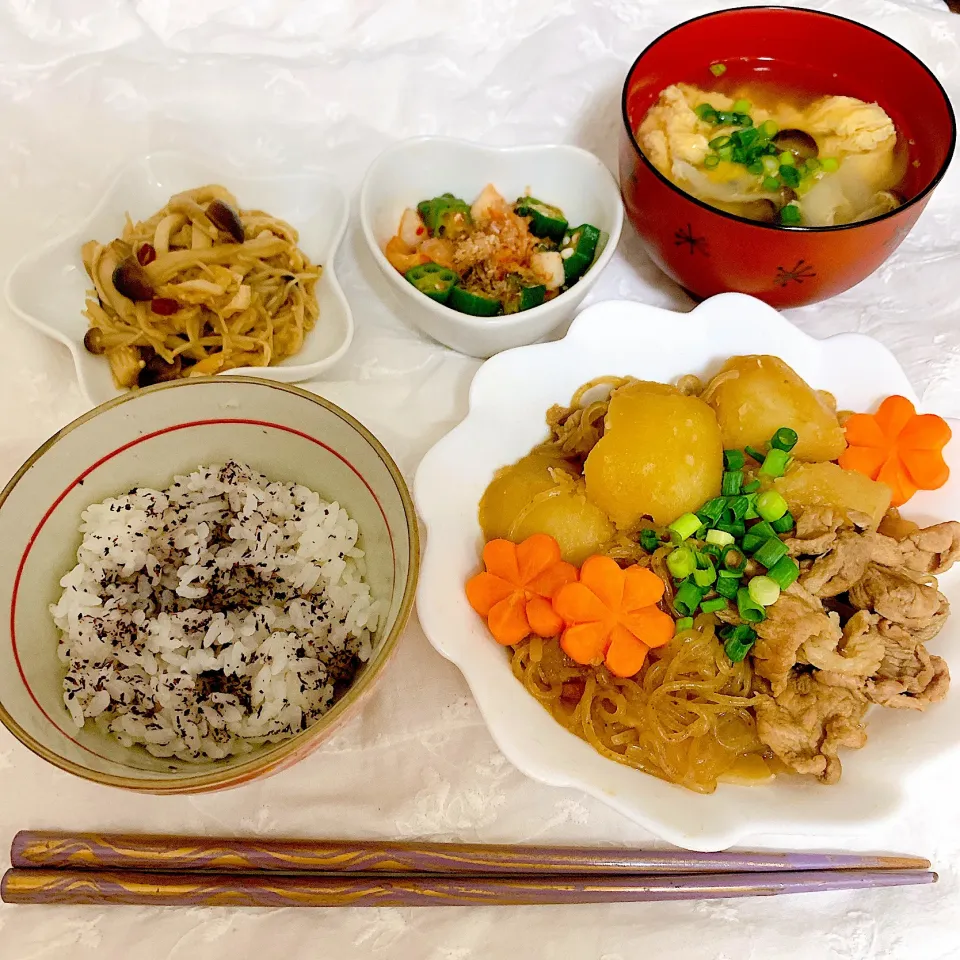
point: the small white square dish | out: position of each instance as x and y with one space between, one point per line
509 398
567 177
47 287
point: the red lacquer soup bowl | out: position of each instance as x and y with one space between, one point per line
709 251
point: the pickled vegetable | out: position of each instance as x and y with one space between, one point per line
541 494
827 485
660 456
756 395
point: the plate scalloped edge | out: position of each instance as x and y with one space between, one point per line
215 169
517 386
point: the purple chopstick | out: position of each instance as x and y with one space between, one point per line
110 888
96 851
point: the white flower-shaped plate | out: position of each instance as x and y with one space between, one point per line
508 400
47 288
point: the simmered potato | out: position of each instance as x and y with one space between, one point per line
541 494
660 456
828 485
755 396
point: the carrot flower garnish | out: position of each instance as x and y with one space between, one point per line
898 447
611 616
516 586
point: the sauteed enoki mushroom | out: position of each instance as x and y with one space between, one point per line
201 287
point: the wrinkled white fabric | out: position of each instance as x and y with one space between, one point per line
311 84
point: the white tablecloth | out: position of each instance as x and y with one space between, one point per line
87 84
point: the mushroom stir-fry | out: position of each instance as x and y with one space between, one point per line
199 288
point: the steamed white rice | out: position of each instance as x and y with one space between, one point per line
220 613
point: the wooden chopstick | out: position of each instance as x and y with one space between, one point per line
223 855
115 888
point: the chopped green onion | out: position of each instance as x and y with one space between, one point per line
725 153
775 463
720 537
742 106
753 452
713 605
733 559
763 529
771 184
746 137
784 572
752 487
730 574
718 69
751 513
649 540
748 608
770 552
731 483
752 541
829 164
755 168
705 578
710 550
737 507
811 165
681 562
789 175
688 598
718 143
771 505
735 527
684 623
790 215
733 459
685 526
786 159
784 439
764 591
705 112
784 524
769 129
739 640
770 165
711 162
728 586
744 119
712 510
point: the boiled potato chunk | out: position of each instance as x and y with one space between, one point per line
660 456
542 494
755 396
828 485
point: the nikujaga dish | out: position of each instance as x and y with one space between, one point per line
713 581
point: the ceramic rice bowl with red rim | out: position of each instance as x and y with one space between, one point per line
709 251
145 439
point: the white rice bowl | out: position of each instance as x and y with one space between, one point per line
221 613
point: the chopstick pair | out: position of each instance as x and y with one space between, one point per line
103 869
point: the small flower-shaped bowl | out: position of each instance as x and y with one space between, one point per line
424 167
47 287
143 439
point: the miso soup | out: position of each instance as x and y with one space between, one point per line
775 152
